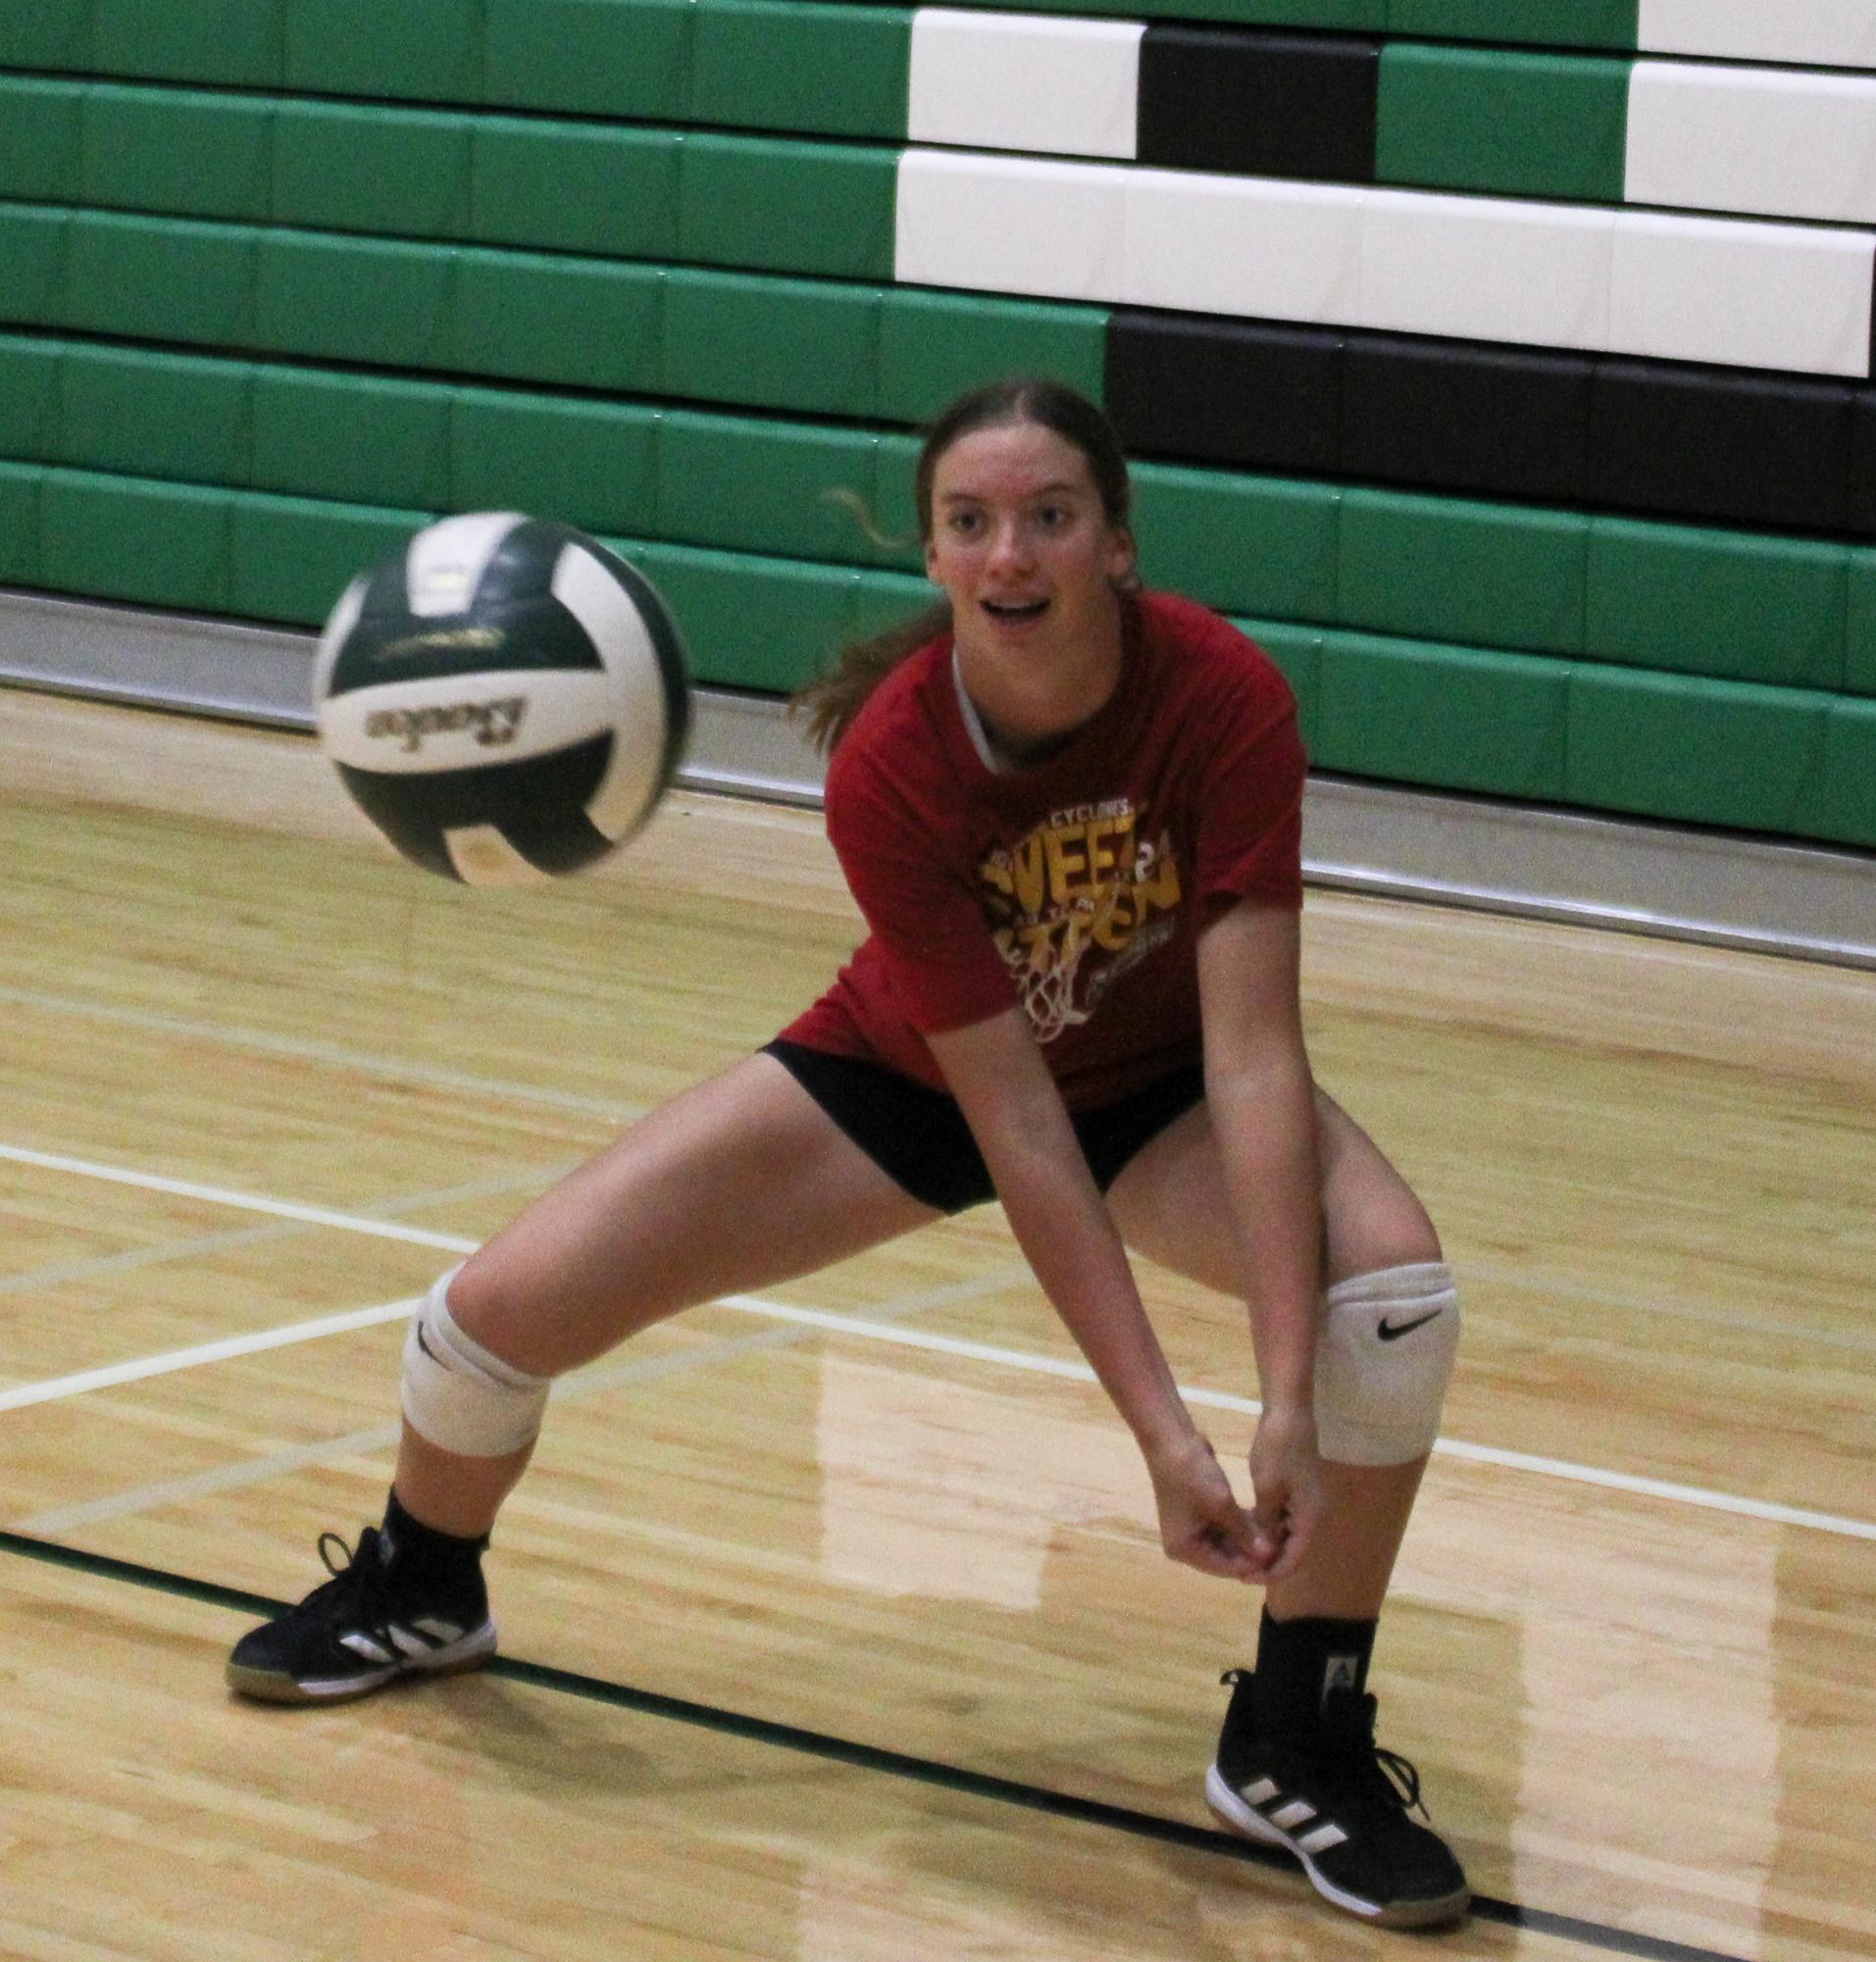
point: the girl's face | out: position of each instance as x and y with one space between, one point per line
1024 549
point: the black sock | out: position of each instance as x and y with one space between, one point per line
421 1553
1307 1667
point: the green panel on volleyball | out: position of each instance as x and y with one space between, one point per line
624 58
1528 124
1860 637
238 43
1243 544
19 485
582 462
1556 24
354 299
146 414
750 623
763 487
535 318
787 207
574 186
933 346
289 558
39 139
119 537
1453 569
340 166
35 248
47 33
766 64
1706 752
1728 604
773 343
1297 651
1841 805
360 437
183 150
30 398
1457 716
161 279
426 50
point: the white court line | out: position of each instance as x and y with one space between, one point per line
298 1049
1483 1454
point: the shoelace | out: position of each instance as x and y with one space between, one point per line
1395 1776
358 1575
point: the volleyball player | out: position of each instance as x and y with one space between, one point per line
1070 812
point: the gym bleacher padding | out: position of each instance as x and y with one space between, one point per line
1455 369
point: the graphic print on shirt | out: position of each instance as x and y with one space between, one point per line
1084 898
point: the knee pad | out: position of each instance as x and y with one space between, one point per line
459 1396
1383 1363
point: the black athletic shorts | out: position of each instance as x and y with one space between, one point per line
919 1138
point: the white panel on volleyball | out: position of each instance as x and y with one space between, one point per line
447 561
639 715
1831 34
1742 293
1024 81
1771 140
1009 224
1485 268
1249 246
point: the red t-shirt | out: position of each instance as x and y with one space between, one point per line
1077 886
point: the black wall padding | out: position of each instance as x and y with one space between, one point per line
1258 104
1456 416
1661 438
1225 392
1721 443
1860 509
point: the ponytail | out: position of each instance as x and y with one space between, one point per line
830 701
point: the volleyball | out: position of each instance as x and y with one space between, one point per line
505 699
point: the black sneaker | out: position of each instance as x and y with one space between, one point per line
1340 1803
359 1631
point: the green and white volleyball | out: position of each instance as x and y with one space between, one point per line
505 699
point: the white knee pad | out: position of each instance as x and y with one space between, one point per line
1385 1356
457 1394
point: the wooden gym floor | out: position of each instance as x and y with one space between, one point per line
835 1623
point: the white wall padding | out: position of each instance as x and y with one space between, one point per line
1829 34
1771 140
1743 293
1021 81
1251 247
1487 269
1010 224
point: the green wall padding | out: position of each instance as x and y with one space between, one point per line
1843 803
586 462
932 347
20 488
614 58
575 188
124 538
1456 716
588 323
1517 125
46 33
356 438
353 299
1556 24
1706 752
785 343
1245 544
767 64
29 408
429 49
160 279
1718 603
40 139
340 167
788 206
238 43
180 150
147 414
35 248
1297 651
1455 570
290 558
